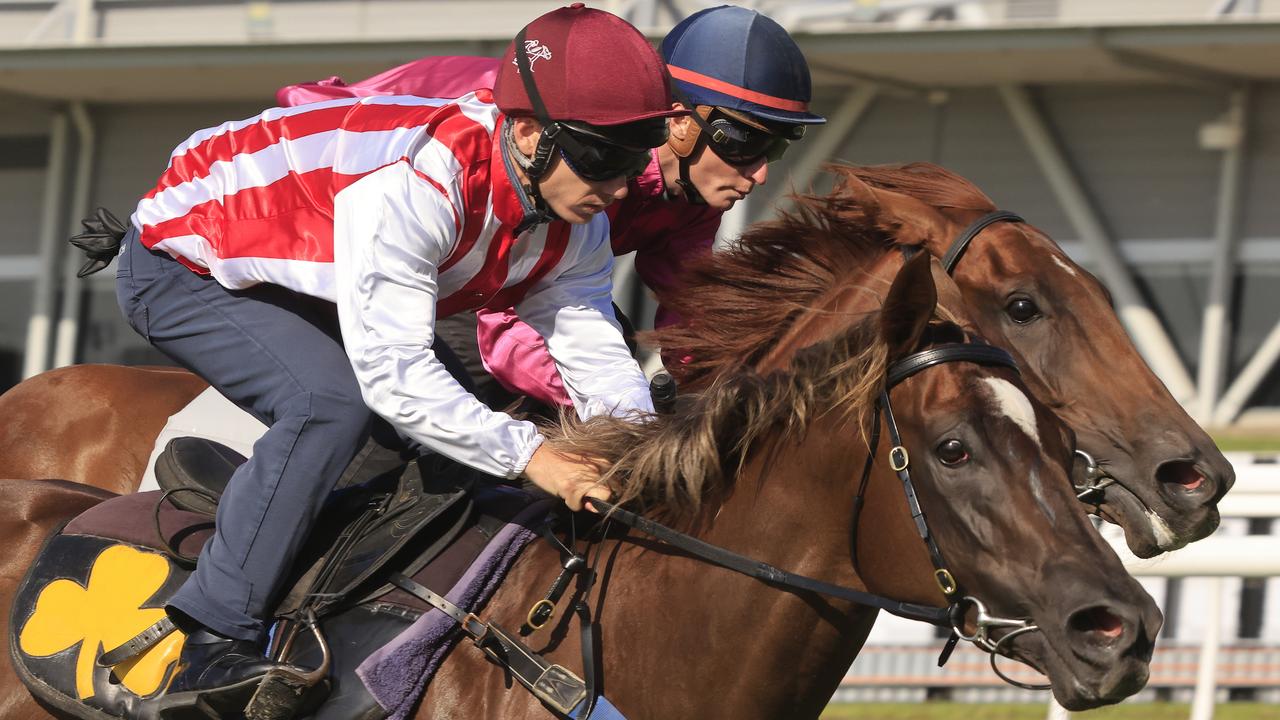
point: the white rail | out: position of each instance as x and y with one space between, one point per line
1256 494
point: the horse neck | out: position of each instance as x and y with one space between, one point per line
786 651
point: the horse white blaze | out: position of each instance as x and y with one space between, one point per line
1015 405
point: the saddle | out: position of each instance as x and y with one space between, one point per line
97 589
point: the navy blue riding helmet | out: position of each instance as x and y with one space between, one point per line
747 82
732 57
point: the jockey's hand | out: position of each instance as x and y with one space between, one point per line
569 478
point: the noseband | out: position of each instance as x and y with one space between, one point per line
1095 478
954 615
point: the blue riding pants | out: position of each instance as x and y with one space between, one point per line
278 355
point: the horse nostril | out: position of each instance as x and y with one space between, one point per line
1181 473
1098 625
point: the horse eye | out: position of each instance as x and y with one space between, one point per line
952 452
1022 311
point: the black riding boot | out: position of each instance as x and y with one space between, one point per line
216 676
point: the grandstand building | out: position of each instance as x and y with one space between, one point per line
1143 135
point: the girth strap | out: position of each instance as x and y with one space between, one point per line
766 572
553 684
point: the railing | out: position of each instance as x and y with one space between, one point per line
1256 494
899 672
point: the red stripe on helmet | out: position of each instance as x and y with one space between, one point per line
741 93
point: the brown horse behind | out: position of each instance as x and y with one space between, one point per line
90 424
768 466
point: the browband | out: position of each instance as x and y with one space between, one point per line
963 352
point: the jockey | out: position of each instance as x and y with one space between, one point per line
298 261
749 85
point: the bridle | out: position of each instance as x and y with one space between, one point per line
1095 478
954 615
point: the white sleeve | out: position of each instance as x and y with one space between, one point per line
573 311
391 231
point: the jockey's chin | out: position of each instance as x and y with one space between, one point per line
725 198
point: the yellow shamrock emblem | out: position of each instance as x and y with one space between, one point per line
102 616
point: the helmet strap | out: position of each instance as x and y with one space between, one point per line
683 148
687 187
687 148
534 168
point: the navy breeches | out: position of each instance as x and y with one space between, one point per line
277 354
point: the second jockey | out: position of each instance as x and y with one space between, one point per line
298 261
748 84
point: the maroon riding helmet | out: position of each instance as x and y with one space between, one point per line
599 89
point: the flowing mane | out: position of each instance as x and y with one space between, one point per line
736 304
926 182
676 462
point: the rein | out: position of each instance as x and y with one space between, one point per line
952 616
1096 479
572 697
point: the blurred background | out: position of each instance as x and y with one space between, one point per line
1143 135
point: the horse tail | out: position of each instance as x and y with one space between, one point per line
100 241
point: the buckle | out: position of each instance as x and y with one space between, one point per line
946 581
560 689
540 614
898 458
470 623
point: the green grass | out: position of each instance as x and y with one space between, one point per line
1229 440
1039 711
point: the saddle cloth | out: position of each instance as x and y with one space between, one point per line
105 576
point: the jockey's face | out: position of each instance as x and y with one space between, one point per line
573 199
720 184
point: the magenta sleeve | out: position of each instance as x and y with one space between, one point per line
517 357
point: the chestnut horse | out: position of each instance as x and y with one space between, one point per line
769 466
97 424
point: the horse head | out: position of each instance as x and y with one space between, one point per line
774 453
996 494
1161 474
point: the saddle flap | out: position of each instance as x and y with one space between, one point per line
84 595
389 531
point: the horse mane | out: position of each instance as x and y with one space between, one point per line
926 182
734 306
678 461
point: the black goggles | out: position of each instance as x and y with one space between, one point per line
596 159
740 144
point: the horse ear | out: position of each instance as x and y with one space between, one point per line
862 194
909 307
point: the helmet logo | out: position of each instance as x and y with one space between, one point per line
534 50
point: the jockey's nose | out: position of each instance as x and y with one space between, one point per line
760 174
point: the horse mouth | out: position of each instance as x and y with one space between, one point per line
1079 685
1146 531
